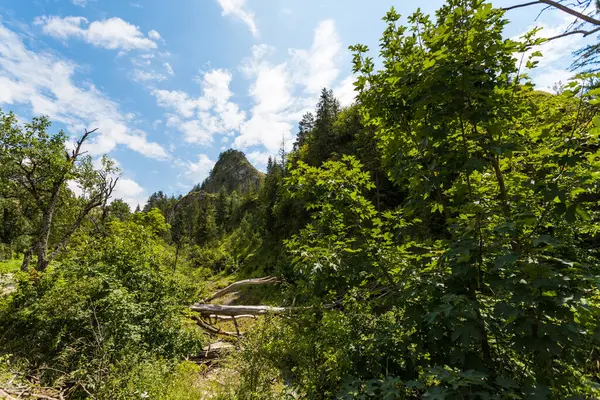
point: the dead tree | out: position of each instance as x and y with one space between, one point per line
209 312
236 285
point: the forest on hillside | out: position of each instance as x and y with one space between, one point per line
437 239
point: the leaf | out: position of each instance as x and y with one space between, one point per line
506 259
435 393
547 239
583 214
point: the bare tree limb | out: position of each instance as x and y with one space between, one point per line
77 151
27 393
559 6
247 282
229 318
94 202
531 3
214 309
215 330
576 32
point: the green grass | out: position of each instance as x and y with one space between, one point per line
10 266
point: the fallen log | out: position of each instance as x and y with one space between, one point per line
9 394
229 318
216 309
247 282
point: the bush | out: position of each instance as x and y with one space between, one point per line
107 303
214 259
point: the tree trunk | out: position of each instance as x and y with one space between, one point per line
247 282
6 226
26 259
42 242
210 309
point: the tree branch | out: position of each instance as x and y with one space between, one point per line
531 3
216 331
577 32
94 202
247 282
210 309
77 152
559 6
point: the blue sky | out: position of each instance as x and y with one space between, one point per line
171 84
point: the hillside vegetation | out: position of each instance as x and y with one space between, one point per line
438 239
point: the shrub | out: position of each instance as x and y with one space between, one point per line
109 301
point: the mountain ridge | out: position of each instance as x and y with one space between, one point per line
233 171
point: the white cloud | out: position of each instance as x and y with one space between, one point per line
142 76
551 76
236 8
277 104
345 91
317 68
130 192
61 28
199 118
46 84
193 131
198 171
280 94
169 69
178 101
80 3
157 123
557 54
259 158
113 33
154 35
126 189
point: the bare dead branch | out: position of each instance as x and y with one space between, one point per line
77 151
215 309
559 6
576 32
247 282
229 318
215 330
531 3
6 393
94 202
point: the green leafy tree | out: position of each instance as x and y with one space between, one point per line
114 305
222 209
36 166
206 228
320 138
496 251
118 209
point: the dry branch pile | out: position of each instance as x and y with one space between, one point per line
210 314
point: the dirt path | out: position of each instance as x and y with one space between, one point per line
7 284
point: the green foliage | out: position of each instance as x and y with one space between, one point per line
483 282
119 209
114 301
35 167
438 239
10 265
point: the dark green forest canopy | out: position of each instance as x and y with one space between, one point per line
437 239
